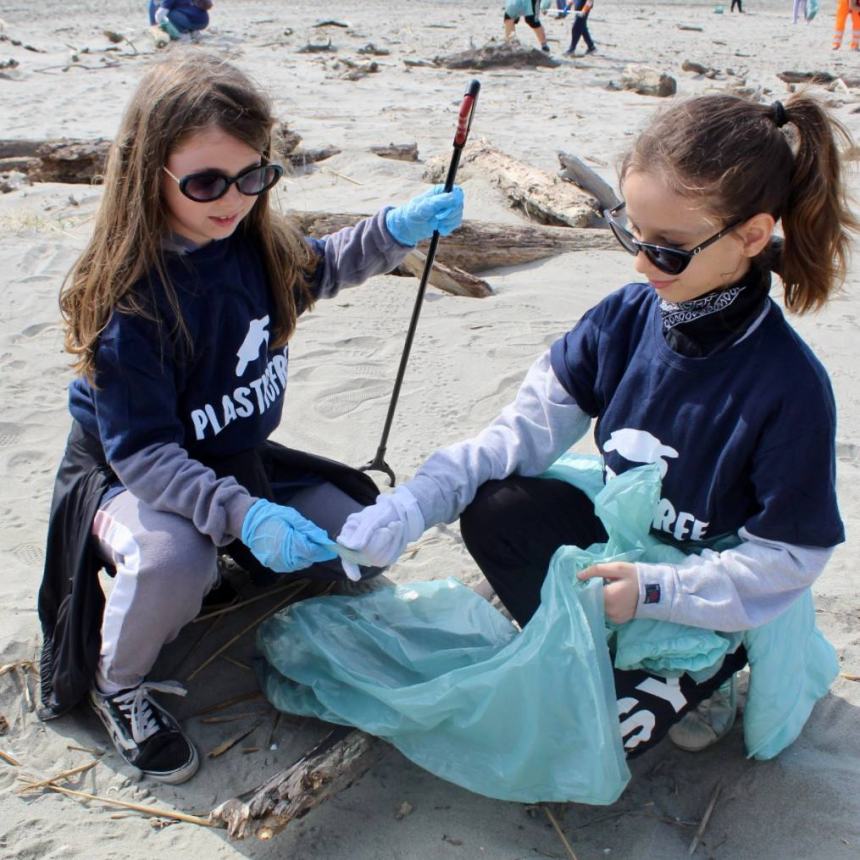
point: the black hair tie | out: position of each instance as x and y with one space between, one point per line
778 114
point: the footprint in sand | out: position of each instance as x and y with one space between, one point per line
9 435
348 398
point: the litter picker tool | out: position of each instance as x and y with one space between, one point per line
464 123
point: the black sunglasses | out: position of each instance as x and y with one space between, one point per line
670 260
209 185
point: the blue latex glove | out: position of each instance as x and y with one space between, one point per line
432 210
282 539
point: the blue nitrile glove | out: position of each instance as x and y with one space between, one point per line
282 539
432 210
379 533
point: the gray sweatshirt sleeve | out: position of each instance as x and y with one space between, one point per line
167 479
526 438
737 589
356 253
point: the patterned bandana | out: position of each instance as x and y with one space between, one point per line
713 322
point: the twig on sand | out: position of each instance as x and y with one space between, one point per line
223 611
705 819
228 703
247 627
232 741
137 807
570 852
9 759
93 751
81 768
341 175
849 677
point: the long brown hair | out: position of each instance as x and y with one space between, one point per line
175 99
742 159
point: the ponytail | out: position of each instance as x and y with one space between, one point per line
817 218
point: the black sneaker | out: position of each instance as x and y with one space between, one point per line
591 50
545 48
145 735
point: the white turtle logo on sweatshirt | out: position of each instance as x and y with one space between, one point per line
640 446
257 336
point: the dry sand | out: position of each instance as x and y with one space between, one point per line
468 358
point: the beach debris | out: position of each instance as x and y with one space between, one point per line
846 675
4 725
136 807
341 758
567 846
701 69
97 752
340 175
11 63
331 22
709 810
9 759
451 279
691 28
575 170
12 181
297 589
317 48
230 742
648 81
479 246
451 840
371 49
75 771
791 77
113 36
356 71
496 55
303 157
542 196
73 161
405 808
397 151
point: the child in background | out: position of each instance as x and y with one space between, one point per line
179 313
530 10
180 18
581 11
694 368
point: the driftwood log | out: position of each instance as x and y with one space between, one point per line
543 197
575 170
397 151
82 162
479 246
334 764
495 55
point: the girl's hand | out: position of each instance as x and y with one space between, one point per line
621 593
435 209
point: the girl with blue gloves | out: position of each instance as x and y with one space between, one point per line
693 368
179 313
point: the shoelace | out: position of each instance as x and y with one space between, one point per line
137 709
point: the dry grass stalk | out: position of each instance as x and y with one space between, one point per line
9 759
232 741
237 663
567 846
705 820
289 598
20 665
242 604
137 807
228 703
341 175
848 677
93 751
81 768
231 718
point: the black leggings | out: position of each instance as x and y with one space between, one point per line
512 529
532 20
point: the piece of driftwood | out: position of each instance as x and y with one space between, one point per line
397 151
543 197
496 55
479 246
341 758
81 162
449 278
316 48
647 81
575 170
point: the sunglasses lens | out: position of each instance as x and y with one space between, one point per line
624 238
258 180
666 261
203 187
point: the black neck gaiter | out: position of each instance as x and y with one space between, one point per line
713 322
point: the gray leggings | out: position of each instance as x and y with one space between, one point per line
164 567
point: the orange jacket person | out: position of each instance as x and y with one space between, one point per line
842 10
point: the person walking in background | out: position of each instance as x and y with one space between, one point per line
842 11
180 18
581 10
738 4
530 10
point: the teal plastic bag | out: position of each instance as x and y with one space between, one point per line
524 716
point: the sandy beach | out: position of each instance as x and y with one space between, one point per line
467 361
